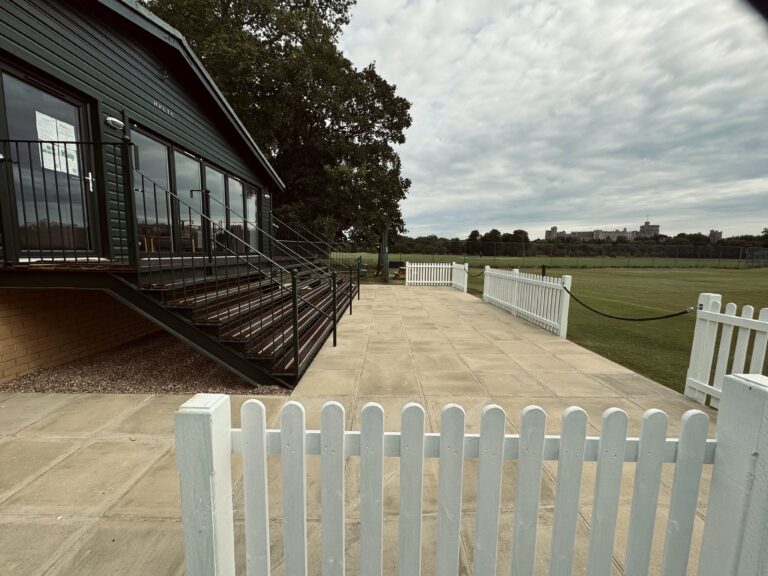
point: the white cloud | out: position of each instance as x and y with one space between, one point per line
577 114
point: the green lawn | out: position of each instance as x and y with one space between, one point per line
658 349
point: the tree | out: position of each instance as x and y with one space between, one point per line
474 236
492 235
328 128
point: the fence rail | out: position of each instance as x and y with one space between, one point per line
539 299
732 543
714 332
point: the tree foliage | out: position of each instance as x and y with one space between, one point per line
328 128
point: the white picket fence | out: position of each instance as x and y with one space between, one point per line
734 542
437 274
702 381
539 299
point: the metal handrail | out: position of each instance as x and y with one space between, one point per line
282 224
258 228
238 239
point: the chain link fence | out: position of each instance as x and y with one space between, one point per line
581 255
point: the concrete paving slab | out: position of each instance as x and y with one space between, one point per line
21 410
514 347
155 495
543 363
31 545
471 346
450 383
512 383
87 482
85 415
489 362
633 385
329 383
574 384
6 395
393 362
152 418
592 363
23 460
116 546
381 383
430 361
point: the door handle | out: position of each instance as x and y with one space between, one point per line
90 181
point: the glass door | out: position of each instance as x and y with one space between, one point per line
54 187
151 184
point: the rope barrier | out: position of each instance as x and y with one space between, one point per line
476 275
665 316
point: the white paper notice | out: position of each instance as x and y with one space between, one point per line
59 157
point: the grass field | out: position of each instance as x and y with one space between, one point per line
658 349
370 259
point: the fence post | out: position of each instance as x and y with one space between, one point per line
703 347
735 541
466 276
203 450
565 300
486 284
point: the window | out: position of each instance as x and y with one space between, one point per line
190 193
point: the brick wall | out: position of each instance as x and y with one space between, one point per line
42 328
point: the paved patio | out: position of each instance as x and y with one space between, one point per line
88 483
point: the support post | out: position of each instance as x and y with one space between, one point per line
295 309
351 296
486 284
359 264
565 301
203 450
703 348
735 541
466 276
333 309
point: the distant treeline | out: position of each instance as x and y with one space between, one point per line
511 244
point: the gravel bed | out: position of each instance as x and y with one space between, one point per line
158 363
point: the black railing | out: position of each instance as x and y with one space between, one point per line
51 201
332 254
248 297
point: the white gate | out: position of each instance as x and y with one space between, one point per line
733 357
735 540
437 274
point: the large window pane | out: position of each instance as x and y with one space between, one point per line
214 183
252 202
188 189
236 208
153 214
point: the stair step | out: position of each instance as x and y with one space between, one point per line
228 292
310 343
247 330
276 341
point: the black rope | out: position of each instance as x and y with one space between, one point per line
588 307
477 275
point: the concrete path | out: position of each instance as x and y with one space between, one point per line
88 483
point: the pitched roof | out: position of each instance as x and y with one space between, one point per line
137 14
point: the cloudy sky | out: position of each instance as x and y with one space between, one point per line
576 113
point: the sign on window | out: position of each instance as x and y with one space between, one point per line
54 154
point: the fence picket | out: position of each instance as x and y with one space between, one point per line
254 424
645 498
530 460
292 444
724 352
411 488
607 488
569 467
685 492
371 489
489 489
742 341
759 345
332 488
449 489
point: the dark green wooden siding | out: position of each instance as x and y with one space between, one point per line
123 69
